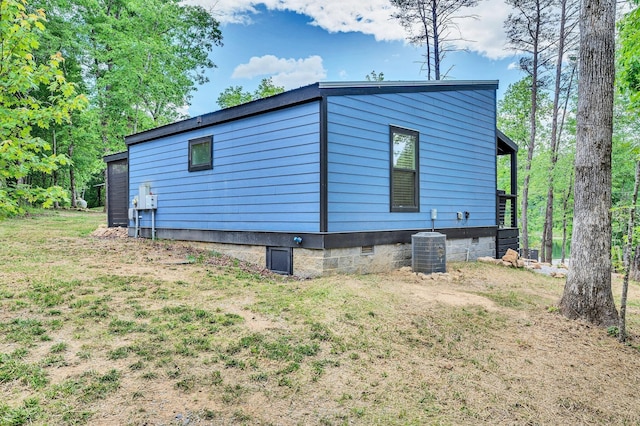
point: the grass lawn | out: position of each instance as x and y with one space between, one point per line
119 331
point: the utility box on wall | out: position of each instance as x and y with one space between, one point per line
151 202
143 191
429 252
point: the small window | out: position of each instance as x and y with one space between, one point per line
200 154
404 170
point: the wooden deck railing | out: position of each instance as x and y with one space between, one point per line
507 236
507 210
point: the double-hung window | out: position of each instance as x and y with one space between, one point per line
404 170
201 153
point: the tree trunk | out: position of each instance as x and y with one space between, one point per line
565 214
425 24
532 137
622 332
587 292
546 247
72 180
106 190
54 175
634 272
525 205
436 39
547 232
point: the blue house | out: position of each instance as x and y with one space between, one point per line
331 177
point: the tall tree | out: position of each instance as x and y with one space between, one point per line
143 59
235 95
22 111
68 138
563 86
587 292
566 197
629 82
622 324
529 32
432 24
629 55
139 61
514 111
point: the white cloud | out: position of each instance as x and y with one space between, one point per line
366 16
513 66
487 29
373 17
228 11
290 73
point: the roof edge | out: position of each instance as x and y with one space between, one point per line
282 100
116 156
401 83
511 145
306 94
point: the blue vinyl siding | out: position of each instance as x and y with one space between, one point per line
457 159
265 176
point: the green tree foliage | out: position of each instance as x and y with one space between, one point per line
232 96
528 30
628 64
375 76
514 113
267 88
513 119
235 95
629 55
23 112
563 83
514 110
626 142
141 59
139 62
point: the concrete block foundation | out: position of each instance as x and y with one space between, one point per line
308 263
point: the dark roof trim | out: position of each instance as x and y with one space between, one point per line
303 95
272 103
116 157
505 144
381 87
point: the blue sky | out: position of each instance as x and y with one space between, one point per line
299 42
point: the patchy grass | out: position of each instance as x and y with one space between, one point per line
127 331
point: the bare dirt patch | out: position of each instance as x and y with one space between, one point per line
132 331
104 232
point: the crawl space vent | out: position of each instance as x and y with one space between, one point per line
280 260
429 252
